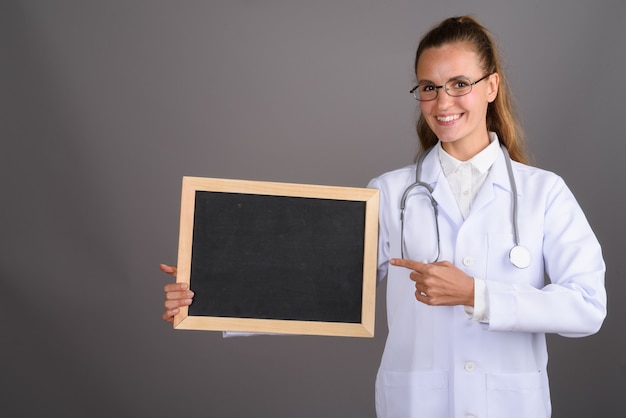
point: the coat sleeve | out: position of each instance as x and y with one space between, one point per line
383 231
573 304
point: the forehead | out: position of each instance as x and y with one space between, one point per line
442 63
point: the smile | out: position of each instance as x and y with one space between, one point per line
448 118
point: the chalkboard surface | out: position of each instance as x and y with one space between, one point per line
278 257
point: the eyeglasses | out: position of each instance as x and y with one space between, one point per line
460 86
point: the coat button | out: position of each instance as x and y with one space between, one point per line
470 366
468 261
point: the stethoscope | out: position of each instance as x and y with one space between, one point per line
519 255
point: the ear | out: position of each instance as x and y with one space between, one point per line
492 87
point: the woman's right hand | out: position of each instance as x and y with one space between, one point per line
176 294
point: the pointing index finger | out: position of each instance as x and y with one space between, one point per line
410 264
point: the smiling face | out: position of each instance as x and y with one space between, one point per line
460 123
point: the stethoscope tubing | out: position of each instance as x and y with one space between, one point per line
519 256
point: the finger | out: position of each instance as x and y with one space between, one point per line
410 264
185 294
169 315
175 287
417 277
168 269
176 303
420 287
422 297
428 300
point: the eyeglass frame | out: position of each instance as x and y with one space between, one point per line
443 86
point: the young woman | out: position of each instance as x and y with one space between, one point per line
483 254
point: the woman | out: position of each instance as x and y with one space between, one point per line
467 239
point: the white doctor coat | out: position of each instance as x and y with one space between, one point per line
439 363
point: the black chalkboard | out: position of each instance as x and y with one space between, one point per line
276 257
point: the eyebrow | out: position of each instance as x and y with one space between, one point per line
457 77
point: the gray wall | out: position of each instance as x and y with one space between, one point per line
106 105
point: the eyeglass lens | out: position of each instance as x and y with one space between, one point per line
455 88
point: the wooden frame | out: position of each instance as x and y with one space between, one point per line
193 270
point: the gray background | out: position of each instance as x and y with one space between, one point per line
106 105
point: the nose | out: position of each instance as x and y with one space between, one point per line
444 100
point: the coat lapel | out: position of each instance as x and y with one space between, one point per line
497 177
433 175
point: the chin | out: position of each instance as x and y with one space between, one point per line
447 137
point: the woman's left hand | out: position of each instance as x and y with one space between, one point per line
439 283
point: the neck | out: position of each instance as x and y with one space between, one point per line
464 150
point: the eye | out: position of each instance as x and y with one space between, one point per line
427 88
460 84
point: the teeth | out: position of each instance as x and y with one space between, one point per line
448 118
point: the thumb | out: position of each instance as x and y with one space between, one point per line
168 269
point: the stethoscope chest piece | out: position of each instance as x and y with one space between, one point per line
520 256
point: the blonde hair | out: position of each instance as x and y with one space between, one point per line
501 117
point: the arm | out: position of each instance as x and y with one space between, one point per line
573 304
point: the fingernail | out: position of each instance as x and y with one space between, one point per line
189 294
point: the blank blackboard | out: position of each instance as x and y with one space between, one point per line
278 257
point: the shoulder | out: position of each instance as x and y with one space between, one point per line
395 178
536 174
392 185
541 183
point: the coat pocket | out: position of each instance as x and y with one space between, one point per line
499 266
412 394
517 395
